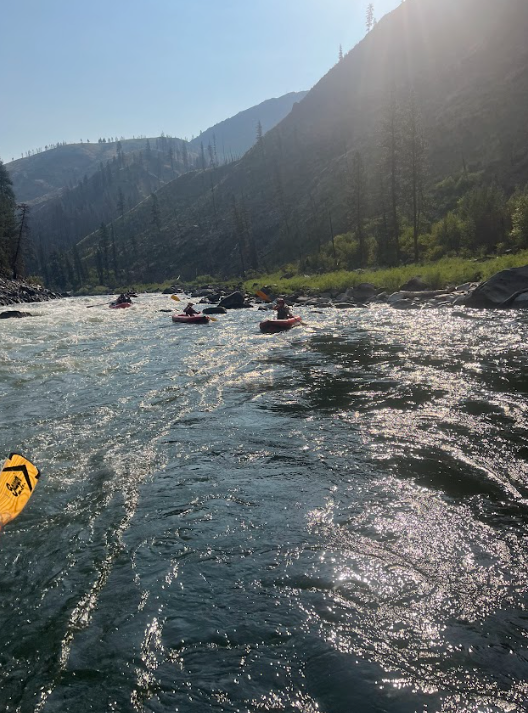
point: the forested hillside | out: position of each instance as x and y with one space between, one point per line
430 109
43 174
114 189
72 190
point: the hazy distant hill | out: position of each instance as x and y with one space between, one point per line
114 189
234 136
466 61
43 175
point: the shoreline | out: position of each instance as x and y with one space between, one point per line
21 292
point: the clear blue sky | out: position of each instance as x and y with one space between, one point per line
71 69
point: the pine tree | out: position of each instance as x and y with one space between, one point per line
99 266
391 145
78 266
413 160
114 251
21 241
103 249
340 55
358 180
211 155
121 203
370 21
156 220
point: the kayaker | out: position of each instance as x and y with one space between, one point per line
189 311
122 298
283 310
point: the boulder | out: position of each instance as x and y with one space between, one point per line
214 310
345 305
235 300
13 313
364 292
424 295
301 300
415 284
501 290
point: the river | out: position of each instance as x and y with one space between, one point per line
328 520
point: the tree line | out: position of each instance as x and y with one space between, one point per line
398 215
14 229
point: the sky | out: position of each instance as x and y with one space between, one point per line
78 69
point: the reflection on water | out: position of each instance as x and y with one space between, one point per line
330 519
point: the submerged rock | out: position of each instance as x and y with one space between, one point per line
214 310
14 313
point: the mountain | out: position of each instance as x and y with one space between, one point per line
73 189
234 136
44 175
465 62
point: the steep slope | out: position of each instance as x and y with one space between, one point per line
467 63
115 188
236 135
42 176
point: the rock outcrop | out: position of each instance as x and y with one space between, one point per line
17 291
504 289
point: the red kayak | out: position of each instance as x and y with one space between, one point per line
120 305
270 326
186 319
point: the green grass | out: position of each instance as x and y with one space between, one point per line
445 272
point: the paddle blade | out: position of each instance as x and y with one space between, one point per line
18 479
263 295
175 298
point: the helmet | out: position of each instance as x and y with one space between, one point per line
280 300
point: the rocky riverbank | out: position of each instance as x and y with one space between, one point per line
505 289
17 292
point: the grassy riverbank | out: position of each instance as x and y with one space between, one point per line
445 272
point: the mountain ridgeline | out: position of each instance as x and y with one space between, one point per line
74 189
230 139
413 146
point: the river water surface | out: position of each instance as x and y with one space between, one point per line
328 520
